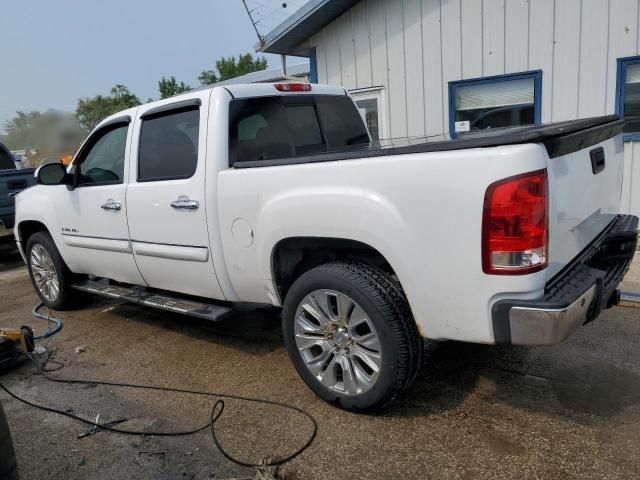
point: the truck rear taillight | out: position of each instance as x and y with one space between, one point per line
293 87
515 225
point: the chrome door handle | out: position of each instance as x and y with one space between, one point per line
111 205
185 204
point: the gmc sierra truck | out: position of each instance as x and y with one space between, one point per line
275 194
12 181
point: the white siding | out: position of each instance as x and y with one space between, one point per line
594 32
565 60
471 18
395 66
541 49
413 67
493 37
432 67
413 48
360 19
516 35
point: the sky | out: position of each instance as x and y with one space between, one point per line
53 52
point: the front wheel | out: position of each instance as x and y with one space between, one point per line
50 276
351 336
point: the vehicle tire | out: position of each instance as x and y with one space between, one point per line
50 276
350 334
8 467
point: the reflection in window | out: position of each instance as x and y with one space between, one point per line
495 102
629 93
104 161
368 108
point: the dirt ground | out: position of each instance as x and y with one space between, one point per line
567 411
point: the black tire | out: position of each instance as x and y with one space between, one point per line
8 466
386 307
65 293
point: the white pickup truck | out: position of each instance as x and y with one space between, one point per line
274 194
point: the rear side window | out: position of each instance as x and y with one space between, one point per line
268 128
169 145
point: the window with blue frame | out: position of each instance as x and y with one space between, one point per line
495 102
628 96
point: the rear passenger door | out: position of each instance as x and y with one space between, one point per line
166 197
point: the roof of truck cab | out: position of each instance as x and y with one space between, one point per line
247 90
268 90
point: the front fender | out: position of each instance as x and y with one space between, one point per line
35 205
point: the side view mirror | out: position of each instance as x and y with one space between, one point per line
52 174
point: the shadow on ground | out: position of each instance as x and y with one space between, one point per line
583 390
10 258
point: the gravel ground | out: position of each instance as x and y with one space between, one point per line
567 411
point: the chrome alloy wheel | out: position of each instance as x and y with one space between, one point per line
338 342
44 273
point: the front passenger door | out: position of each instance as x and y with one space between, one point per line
93 215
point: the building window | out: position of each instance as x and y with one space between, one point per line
495 102
370 104
628 96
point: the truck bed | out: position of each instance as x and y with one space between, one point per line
560 138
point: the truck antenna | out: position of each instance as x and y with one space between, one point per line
253 22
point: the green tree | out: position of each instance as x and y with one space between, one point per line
229 67
20 130
91 111
169 87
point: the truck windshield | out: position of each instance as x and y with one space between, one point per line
268 128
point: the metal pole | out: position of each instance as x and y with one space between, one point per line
260 38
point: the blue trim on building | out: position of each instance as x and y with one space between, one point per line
537 93
621 73
313 66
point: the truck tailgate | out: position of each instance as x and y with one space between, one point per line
585 171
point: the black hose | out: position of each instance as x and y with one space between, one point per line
216 412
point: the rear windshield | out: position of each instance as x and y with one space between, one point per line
6 159
268 128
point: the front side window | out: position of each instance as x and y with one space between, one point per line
494 102
169 145
103 160
628 98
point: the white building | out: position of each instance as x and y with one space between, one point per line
423 67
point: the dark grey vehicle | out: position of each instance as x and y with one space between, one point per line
12 182
8 467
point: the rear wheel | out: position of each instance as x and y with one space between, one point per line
50 277
350 334
8 468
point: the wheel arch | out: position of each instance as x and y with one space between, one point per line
27 228
293 256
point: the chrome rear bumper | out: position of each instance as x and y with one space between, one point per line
575 296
